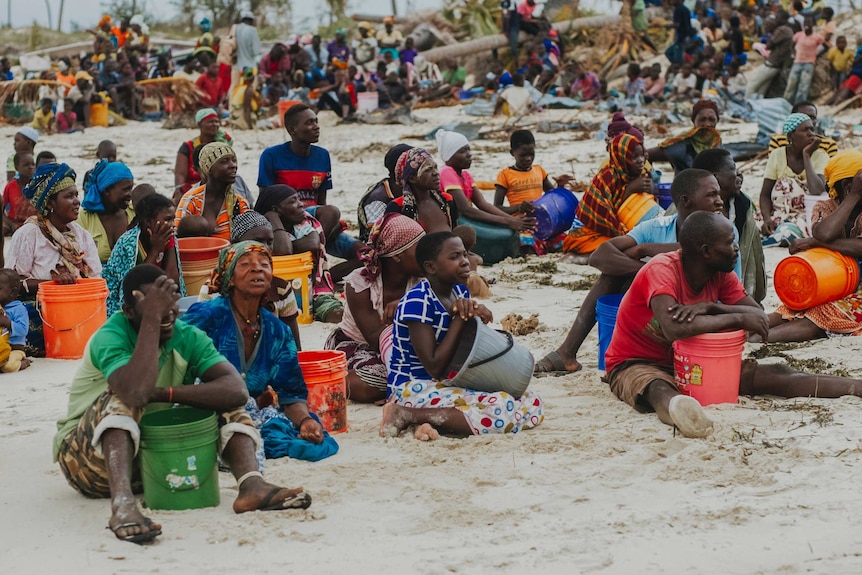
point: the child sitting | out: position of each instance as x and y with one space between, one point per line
67 120
429 322
17 207
522 184
476 284
634 84
684 83
43 119
14 321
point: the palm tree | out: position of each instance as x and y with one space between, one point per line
60 16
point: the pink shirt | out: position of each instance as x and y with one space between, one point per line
806 47
525 10
449 180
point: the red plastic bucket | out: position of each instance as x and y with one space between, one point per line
707 366
325 374
196 249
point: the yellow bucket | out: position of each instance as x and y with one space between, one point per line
297 267
638 208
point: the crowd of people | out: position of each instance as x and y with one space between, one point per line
403 292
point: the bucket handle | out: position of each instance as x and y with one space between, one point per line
76 326
510 343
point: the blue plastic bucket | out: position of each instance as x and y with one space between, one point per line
662 195
606 316
555 212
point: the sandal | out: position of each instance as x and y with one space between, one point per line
139 538
301 500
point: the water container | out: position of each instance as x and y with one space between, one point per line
662 195
707 366
814 277
555 212
494 242
638 208
606 316
71 314
325 374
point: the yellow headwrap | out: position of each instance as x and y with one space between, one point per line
843 165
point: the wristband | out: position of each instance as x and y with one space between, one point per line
170 395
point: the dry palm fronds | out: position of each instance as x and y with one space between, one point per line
185 94
24 91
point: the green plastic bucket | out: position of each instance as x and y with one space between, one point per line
179 464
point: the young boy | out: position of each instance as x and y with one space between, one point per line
634 83
16 207
14 319
24 141
842 60
684 82
43 119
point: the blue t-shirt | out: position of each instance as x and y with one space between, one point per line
421 305
20 322
663 231
308 175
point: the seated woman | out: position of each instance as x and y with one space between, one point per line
107 206
837 226
429 322
217 200
681 150
421 199
152 240
296 231
454 150
377 197
599 209
261 348
185 175
372 292
792 172
51 246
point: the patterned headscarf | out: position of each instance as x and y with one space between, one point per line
100 178
227 260
795 120
211 153
701 105
414 162
245 222
205 114
49 180
845 164
391 235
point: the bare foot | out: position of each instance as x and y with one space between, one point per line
555 363
129 524
426 432
395 420
255 494
573 258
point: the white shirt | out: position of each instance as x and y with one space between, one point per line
33 256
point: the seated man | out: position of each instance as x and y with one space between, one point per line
675 296
140 358
620 258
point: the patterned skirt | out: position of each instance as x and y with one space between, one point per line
840 317
366 362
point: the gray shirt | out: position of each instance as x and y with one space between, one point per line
248 49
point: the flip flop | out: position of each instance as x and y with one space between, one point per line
301 500
552 365
139 538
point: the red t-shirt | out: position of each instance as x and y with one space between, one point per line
213 89
637 334
18 208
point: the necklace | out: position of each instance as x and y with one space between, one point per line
249 328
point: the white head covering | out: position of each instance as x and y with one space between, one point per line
29 132
449 142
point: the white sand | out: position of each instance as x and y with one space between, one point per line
597 488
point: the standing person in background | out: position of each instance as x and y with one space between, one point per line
780 49
842 60
248 48
807 44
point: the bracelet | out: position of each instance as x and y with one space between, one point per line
281 230
170 395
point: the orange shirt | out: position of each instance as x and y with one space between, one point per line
192 204
522 186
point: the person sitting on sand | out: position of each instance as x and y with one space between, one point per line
421 198
372 294
476 284
16 207
261 347
827 144
429 321
619 259
837 224
296 231
681 150
373 203
140 360
217 201
455 179
598 211
14 321
107 205
185 175
675 296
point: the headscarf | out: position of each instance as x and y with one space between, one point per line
599 208
49 180
448 143
619 125
105 20
413 162
30 133
701 105
271 196
211 153
392 156
391 235
700 139
245 222
205 114
227 260
845 164
205 25
795 120
100 178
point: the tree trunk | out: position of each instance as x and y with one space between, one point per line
60 16
394 8
48 8
488 43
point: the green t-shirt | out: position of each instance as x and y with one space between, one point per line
182 359
459 75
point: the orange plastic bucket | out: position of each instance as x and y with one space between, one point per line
638 208
297 267
99 114
325 374
814 277
195 280
71 315
284 106
707 366
196 249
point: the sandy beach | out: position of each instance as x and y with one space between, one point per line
597 488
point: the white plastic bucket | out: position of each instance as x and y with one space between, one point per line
810 202
367 102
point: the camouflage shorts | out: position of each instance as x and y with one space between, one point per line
83 463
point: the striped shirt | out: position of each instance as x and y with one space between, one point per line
828 145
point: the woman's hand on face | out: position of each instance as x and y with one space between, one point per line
812 146
62 276
310 430
389 312
160 235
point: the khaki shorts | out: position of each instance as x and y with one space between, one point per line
629 379
81 458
